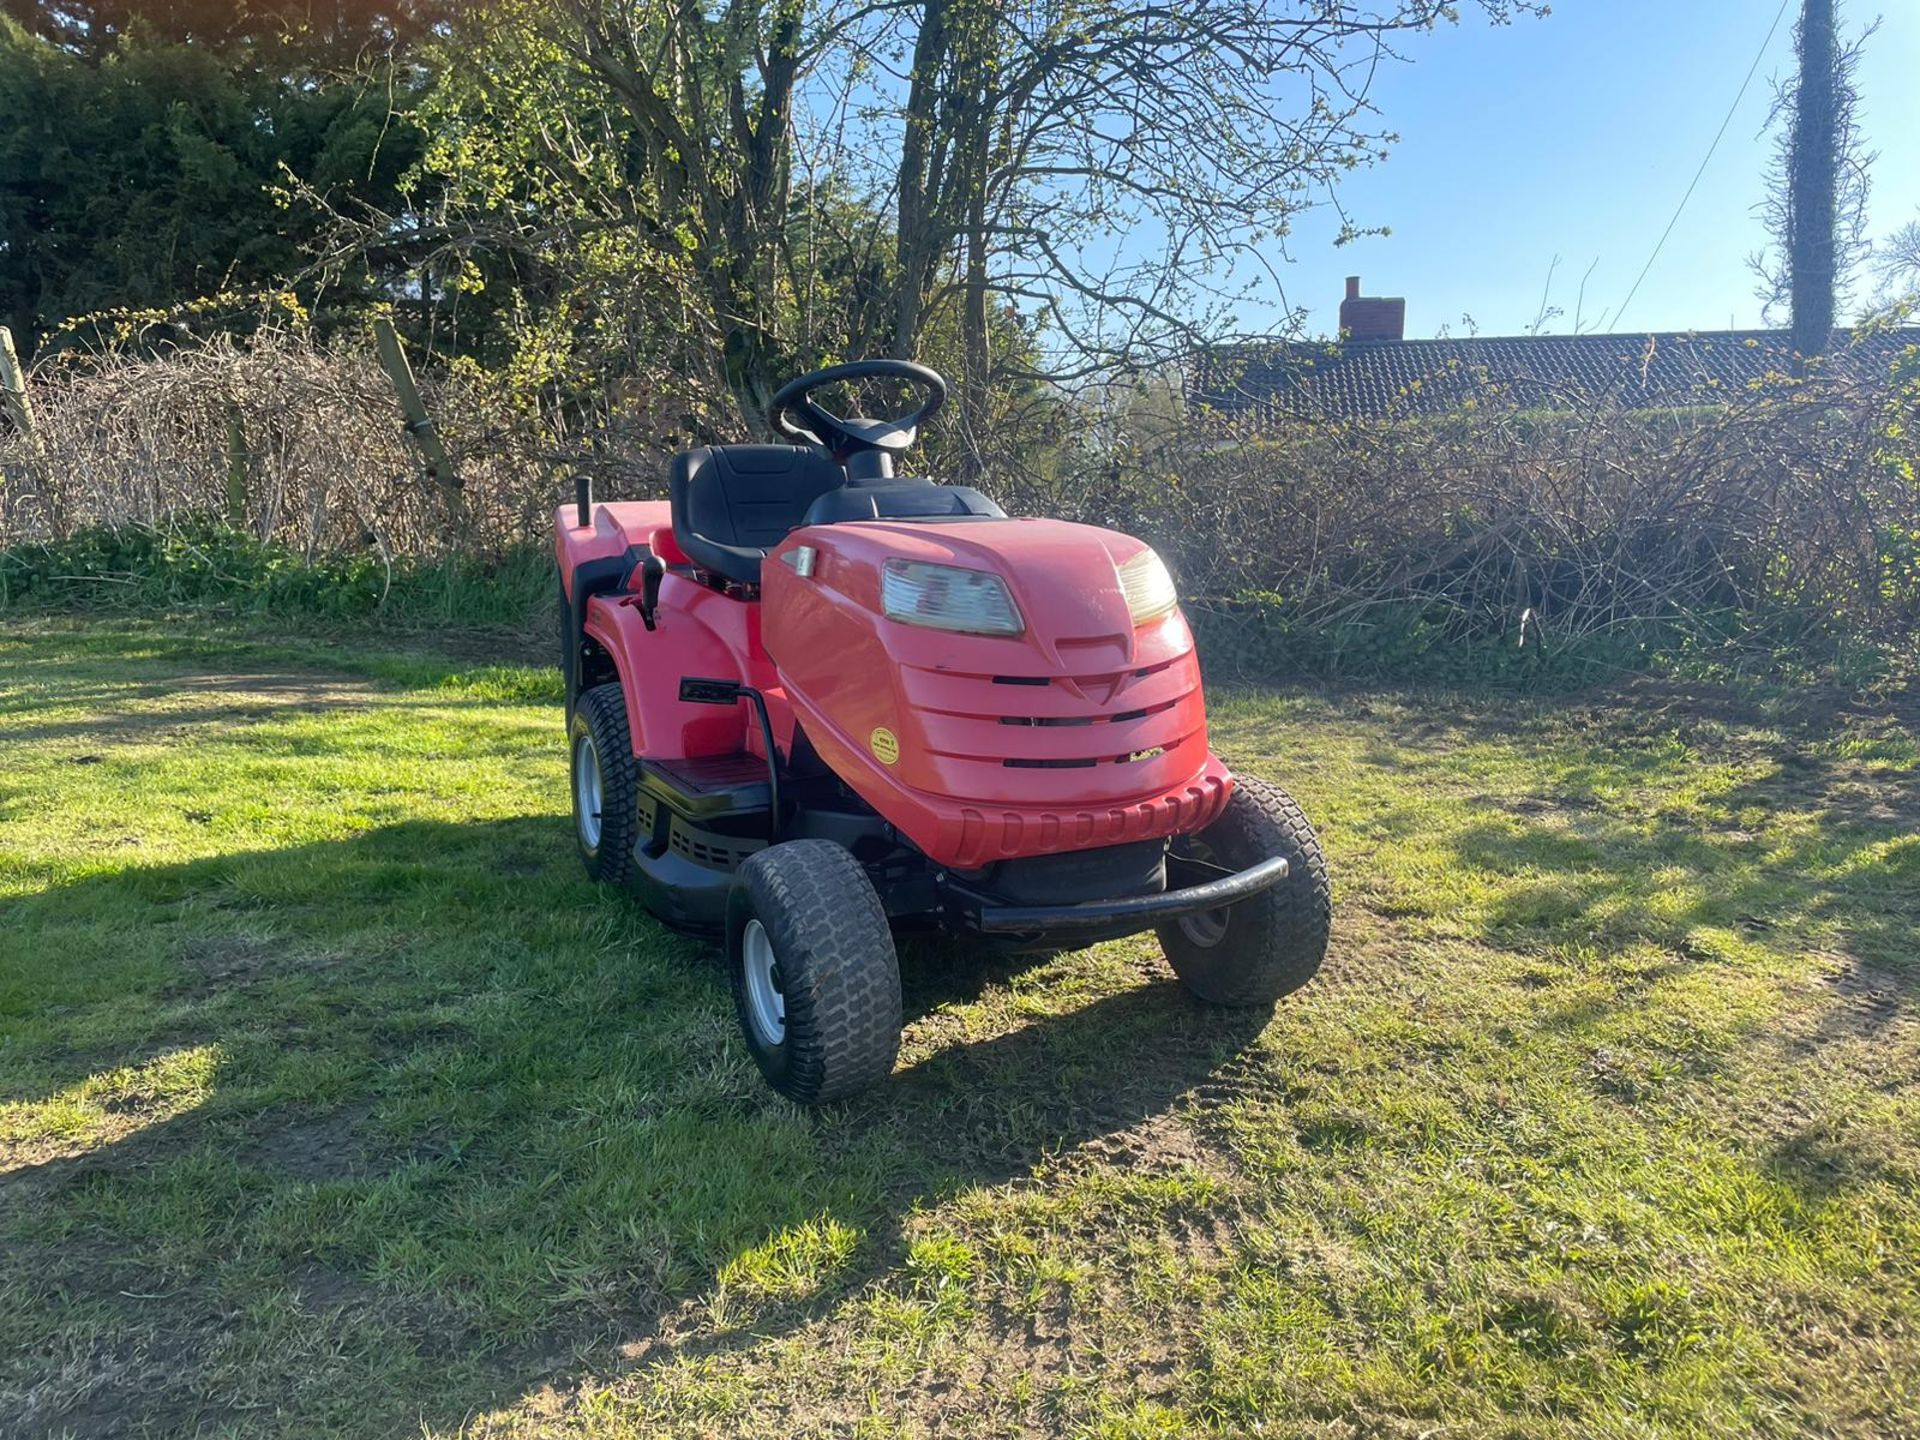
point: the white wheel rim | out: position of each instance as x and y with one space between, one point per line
766 1005
586 791
1206 928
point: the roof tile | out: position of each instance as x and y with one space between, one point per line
1382 379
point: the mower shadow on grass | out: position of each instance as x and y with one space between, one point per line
477 1127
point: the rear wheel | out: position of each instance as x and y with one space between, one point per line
1269 944
816 981
605 783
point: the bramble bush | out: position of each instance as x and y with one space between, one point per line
1506 541
1496 544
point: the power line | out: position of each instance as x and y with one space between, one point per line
1745 85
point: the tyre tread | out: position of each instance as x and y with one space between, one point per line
603 710
1281 939
831 934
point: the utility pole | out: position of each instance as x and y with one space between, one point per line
1813 181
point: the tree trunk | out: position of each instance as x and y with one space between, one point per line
975 329
1815 181
915 244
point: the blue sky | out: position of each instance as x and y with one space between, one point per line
1576 136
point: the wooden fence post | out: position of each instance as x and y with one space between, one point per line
419 427
238 463
13 390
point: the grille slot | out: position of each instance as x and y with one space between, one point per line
1152 752
1065 722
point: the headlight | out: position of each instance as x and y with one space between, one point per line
1148 587
946 597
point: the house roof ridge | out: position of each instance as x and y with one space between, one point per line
1277 342
1639 368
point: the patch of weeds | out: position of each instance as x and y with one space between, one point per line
941 1259
1544 1323
1332 1128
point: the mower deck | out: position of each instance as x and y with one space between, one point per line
702 818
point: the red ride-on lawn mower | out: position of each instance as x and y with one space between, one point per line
812 704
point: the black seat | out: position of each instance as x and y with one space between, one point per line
732 503
907 500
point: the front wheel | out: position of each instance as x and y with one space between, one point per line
816 981
1272 943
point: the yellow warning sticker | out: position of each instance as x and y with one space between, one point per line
885 745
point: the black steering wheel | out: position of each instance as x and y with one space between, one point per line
795 415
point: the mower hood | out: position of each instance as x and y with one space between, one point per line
1084 728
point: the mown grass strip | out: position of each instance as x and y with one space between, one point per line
336 1102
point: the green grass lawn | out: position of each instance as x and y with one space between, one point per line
333 1099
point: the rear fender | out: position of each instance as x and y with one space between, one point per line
651 665
599 558
620 532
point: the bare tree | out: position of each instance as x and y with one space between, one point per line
712 95
1093 178
1110 167
1897 264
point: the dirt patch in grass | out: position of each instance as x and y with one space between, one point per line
178 707
334 1146
135 1339
322 1287
1158 1145
151 1353
1867 999
329 1292
342 1144
261 691
215 960
120 1386
219 965
520 864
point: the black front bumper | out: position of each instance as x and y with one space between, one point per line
1120 917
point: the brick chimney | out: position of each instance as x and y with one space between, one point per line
1368 318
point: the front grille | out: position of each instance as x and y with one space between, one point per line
1081 732
1045 680
1104 739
